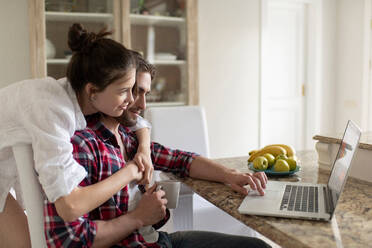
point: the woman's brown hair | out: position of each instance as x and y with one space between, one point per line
96 58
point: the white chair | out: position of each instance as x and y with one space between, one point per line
185 128
31 192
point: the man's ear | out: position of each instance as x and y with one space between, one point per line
91 90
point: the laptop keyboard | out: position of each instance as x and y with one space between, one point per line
300 198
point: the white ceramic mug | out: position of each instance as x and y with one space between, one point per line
172 191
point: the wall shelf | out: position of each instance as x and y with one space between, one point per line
78 16
156 36
168 42
63 61
147 20
169 62
163 104
57 61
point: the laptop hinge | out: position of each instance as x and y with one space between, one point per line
327 199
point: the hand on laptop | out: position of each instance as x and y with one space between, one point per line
257 181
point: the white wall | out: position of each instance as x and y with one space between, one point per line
14 42
344 64
328 85
350 66
229 64
229 74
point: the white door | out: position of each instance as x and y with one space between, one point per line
283 73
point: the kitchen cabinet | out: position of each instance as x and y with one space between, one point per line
164 31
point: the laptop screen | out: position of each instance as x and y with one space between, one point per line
342 163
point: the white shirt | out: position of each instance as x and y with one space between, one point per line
45 113
141 123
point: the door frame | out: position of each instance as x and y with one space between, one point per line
313 65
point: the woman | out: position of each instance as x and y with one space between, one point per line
47 112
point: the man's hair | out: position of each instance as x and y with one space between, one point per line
144 66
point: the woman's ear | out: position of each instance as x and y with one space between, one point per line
91 91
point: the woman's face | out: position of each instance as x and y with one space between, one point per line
116 97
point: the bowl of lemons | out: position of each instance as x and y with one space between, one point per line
275 159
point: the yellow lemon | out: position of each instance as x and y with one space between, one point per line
260 163
292 163
294 157
281 166
282 156
270 158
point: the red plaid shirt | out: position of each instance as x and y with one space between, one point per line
97 150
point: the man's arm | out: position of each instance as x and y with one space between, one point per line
113 231
190 164
204 168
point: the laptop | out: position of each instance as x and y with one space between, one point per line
306 200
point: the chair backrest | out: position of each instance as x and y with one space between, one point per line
181 127
31 191
185 128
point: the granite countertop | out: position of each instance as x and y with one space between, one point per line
365 139
350 227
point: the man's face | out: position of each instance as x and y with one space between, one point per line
142 88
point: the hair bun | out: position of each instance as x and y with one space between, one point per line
80 40
76 37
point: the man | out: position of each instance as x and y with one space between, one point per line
103 150
145 74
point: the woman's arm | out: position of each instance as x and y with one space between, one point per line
84 199
85 232
143 155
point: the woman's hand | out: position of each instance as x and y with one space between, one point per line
134 171
144 163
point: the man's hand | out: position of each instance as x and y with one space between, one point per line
151 208
256 181
144 163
